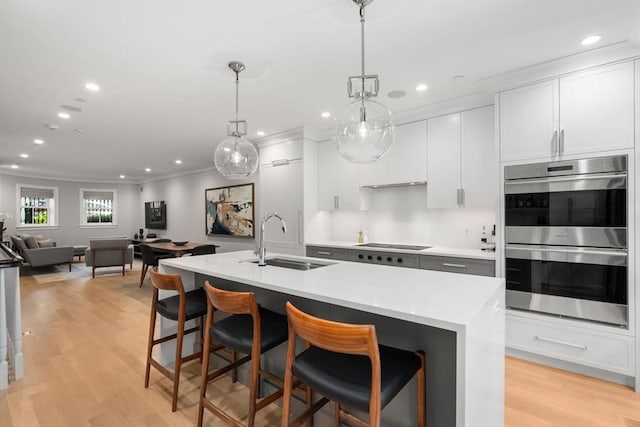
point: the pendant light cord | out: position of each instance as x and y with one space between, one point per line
237 85
362 6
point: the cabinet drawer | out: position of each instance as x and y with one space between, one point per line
384 258
479 267
325 252
610 352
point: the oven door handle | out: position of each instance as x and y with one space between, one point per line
605 181
575 255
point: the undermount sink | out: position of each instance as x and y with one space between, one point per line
294 264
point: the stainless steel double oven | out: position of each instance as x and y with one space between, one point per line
566 238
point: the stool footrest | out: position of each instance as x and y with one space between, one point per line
309 412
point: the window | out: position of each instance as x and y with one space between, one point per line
97 207
38 207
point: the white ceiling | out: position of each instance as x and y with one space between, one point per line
167 92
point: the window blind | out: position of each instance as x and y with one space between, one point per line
38 193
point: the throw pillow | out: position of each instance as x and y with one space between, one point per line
31 242
47 243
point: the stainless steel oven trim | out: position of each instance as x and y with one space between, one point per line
601 237
605 181
597 311
616 257
569 167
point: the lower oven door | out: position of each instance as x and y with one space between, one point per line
581 283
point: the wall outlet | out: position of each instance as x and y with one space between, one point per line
467 230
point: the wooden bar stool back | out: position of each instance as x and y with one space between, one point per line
182 307
251 330
344 363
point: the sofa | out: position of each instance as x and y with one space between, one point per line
40 252
108 252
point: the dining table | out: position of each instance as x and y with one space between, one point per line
172 248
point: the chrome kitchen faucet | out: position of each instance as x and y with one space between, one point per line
262 251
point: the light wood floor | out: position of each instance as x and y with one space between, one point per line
85 357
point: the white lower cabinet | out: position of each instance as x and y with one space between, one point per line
590 347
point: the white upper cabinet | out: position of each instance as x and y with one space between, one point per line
407 159
479 169
596 110
405 162
443 168
585 112
278 153
327 176
338 181
529 121
462 165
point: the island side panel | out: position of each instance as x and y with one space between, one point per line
481 366
439 346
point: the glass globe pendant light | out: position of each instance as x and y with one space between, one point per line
236 157
364 131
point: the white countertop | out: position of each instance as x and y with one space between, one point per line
434 250
445 300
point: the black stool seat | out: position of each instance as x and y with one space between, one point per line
195 305
346 378
236 332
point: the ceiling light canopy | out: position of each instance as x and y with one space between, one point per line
364 130
236 157
595 38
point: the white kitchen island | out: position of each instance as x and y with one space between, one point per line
458 320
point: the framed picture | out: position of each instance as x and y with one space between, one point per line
229 210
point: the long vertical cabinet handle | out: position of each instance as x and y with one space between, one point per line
554 142
300 227
458 196
561 143
336 202
462 197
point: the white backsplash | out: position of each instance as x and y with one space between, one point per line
400 215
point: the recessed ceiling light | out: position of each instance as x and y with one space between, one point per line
64 115
326 114
122 177
260 133
178 162
14 166
24 155
396 94
147 169
71 108
92 87
422 87
591 39
38 141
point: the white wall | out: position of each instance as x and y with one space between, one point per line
69 231
400 215
184 196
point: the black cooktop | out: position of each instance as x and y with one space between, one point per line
391 246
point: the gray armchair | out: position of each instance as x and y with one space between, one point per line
28 248
108 252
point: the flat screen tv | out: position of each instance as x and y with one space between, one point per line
155 215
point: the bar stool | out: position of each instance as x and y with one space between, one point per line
345 363
181 308
250 330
